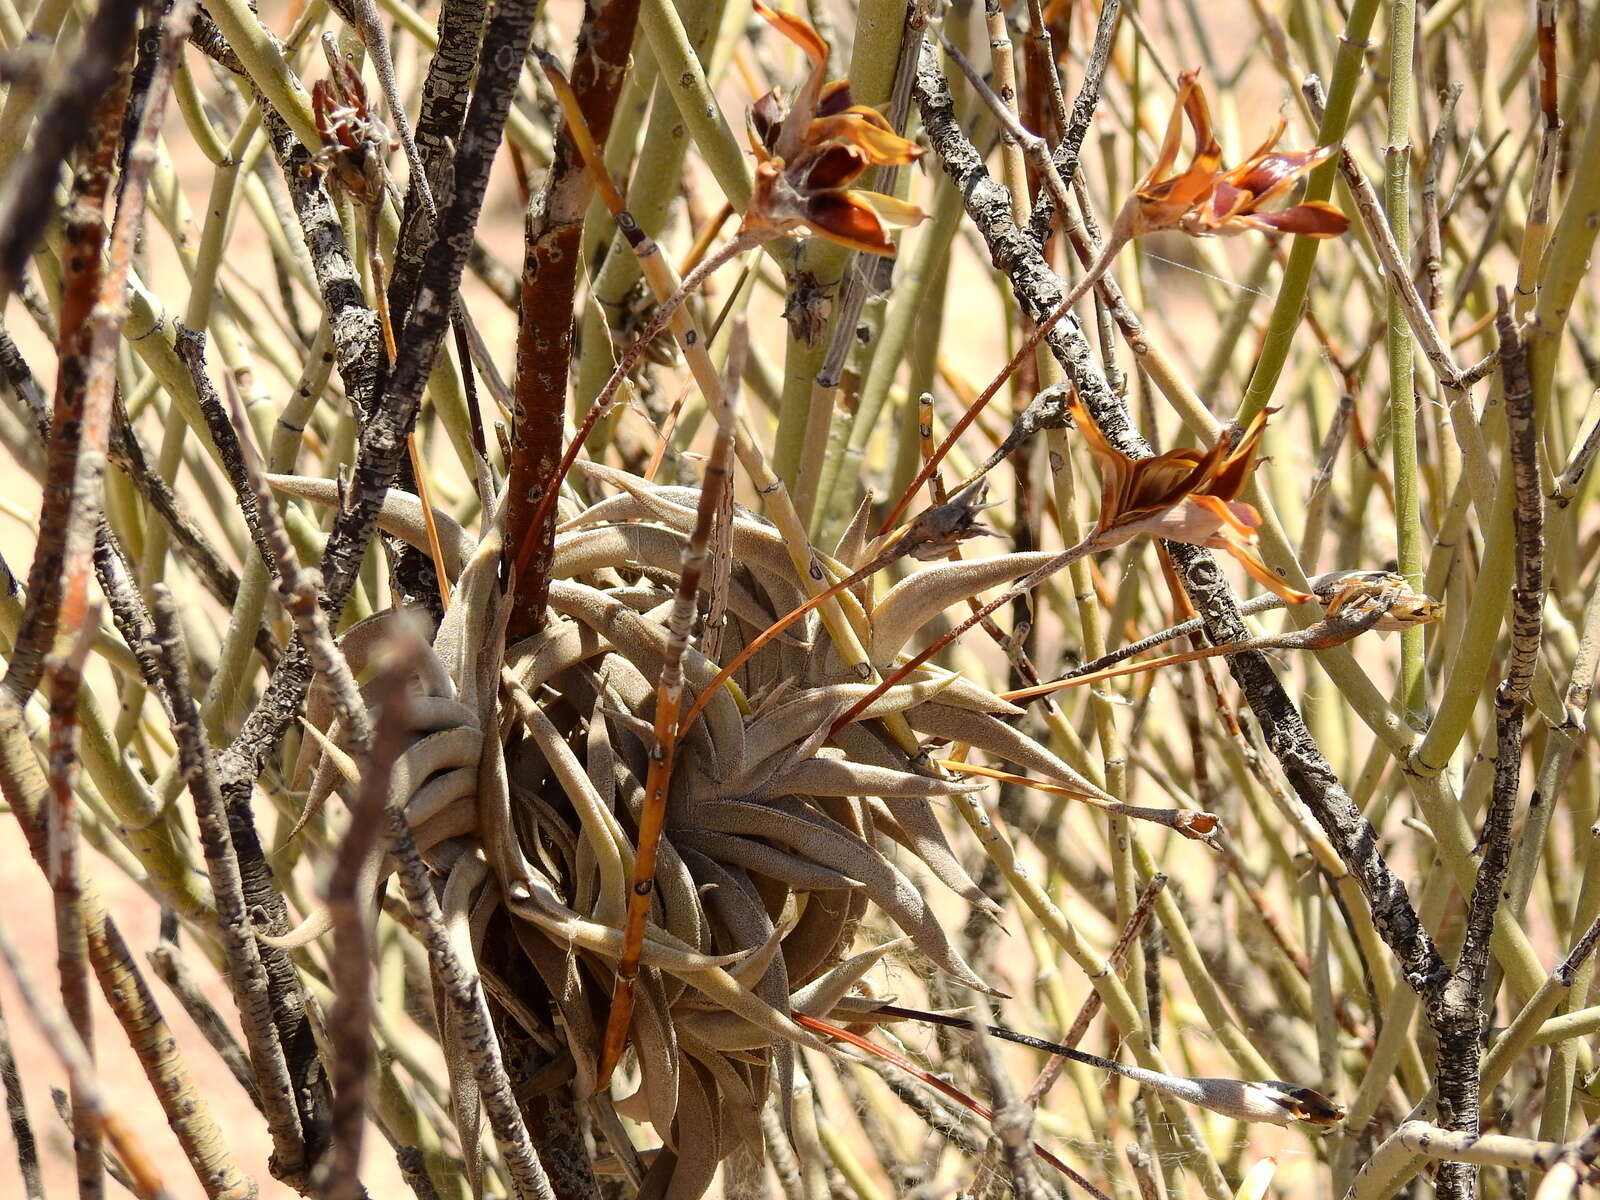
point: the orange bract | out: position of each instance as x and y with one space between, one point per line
1183 495
1204 200
809 153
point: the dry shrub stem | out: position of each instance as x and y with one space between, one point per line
1459 1013
234 930
350 1019
553 234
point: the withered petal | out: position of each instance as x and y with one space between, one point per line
1266 176
826 168
1244 552
867 130
845 218
765 115
1173 138
1163 480
1312 219
1234 472
797 31
835 98
1266 146
891 210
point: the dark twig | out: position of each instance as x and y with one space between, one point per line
1013 1117
170 966
350 1020
63 123
1460 1011
1084 106
463 991
445 93
71 453
235 935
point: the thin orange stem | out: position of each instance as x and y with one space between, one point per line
1191 822
1150 664
669 697
765 637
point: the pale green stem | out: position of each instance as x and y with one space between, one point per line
1296 283
1402 367
906 307
680 69
801 443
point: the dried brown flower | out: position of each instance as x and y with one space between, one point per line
1204 200
810 152
1184 495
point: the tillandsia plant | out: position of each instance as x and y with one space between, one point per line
718 749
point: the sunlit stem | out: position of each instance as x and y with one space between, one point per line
1096 269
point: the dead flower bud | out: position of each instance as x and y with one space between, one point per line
934 532
353 139
1306 1105
1184 495
1204 200
1403 606
810 152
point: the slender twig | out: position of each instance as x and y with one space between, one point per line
1084 107
24 205
1485 1150
1348 622
1272 1102
1461 1010
1013 1118
65 870
350 1020
240 949
1191 823
463 991
1536 230
1129 934
941 1086
172 968
17 1118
